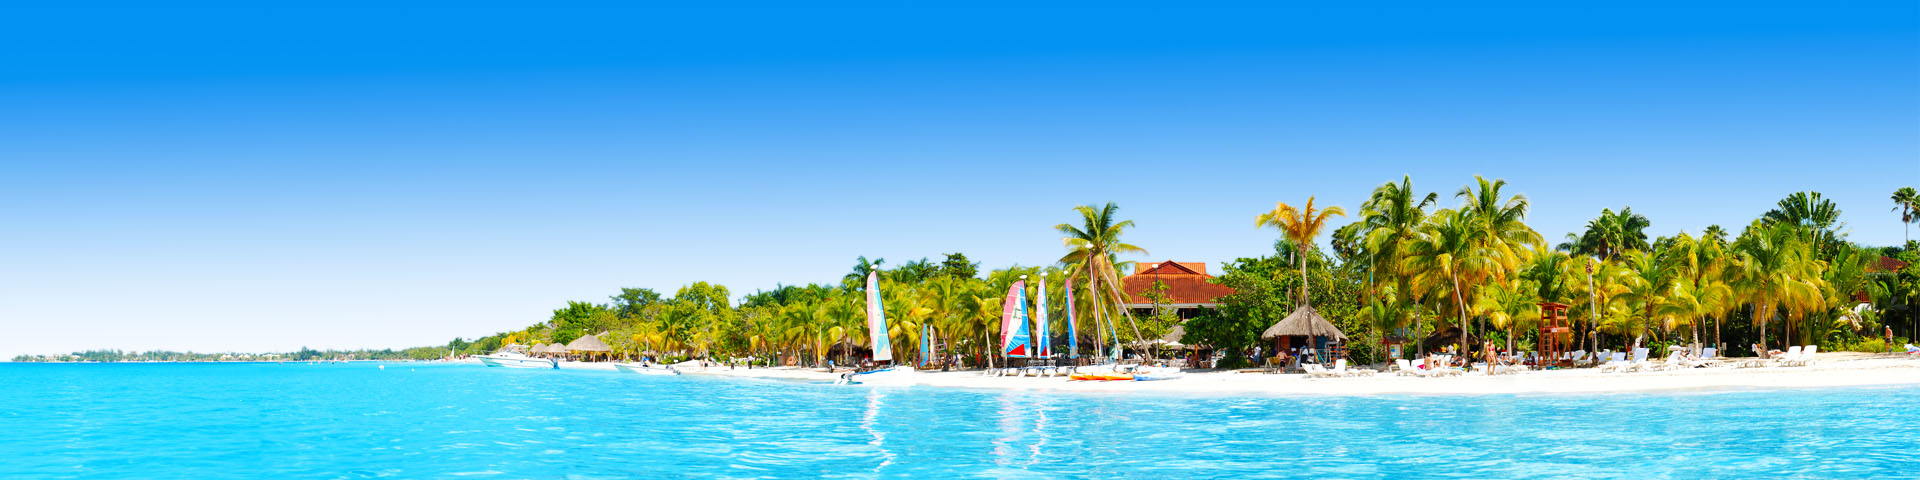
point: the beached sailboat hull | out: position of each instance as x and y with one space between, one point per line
517 361
895 376
645 369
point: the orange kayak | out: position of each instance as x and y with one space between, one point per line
1098 377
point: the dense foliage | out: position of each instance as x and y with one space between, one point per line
1405 267
304 354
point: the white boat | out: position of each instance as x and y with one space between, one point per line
882 345
516 360
645 369
891 376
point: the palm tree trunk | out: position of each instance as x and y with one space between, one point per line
1696 336
1461 304
1299 252
1717 343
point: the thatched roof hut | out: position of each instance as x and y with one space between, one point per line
1303 322
588 343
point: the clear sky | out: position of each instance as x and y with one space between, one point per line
253 176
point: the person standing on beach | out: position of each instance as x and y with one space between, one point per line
1889 339
1486 354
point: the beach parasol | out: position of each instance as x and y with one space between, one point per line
588 343
1303 322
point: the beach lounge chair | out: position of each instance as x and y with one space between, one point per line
1443 367
1615 362
1340 367
1806 356
1709 357
1788 359
1676 360
1314 370
1406 367
1642 359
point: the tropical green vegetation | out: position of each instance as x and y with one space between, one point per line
1406 267
303 354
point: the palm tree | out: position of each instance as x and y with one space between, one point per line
1509 306
1840 279
861 268
1391 218
1301 227
1701 263
1441 254
1500 228
1907 201
1690 303
1501 221
1816 217
1611 234
1094 248
1649 281
1773 269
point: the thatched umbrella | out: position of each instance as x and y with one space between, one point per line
1171 339
588 344
1303 322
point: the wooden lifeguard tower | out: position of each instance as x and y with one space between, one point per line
1553 327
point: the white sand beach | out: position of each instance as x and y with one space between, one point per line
1832 370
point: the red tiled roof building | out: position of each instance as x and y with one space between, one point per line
1187 287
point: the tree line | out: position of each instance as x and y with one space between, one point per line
1404 266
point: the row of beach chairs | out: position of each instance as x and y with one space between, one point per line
1315 370
1793 357
1407 368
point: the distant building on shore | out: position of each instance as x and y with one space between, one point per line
1187 289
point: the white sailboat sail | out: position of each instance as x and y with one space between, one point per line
877 321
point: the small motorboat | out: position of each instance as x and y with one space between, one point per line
645 369
512 359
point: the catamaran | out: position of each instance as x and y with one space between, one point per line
515 359
1013 326
882 346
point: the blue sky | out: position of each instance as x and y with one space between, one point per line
244 177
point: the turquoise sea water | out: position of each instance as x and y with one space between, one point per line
162 421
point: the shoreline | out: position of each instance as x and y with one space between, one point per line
1832 371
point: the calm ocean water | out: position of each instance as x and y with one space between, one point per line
441 421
